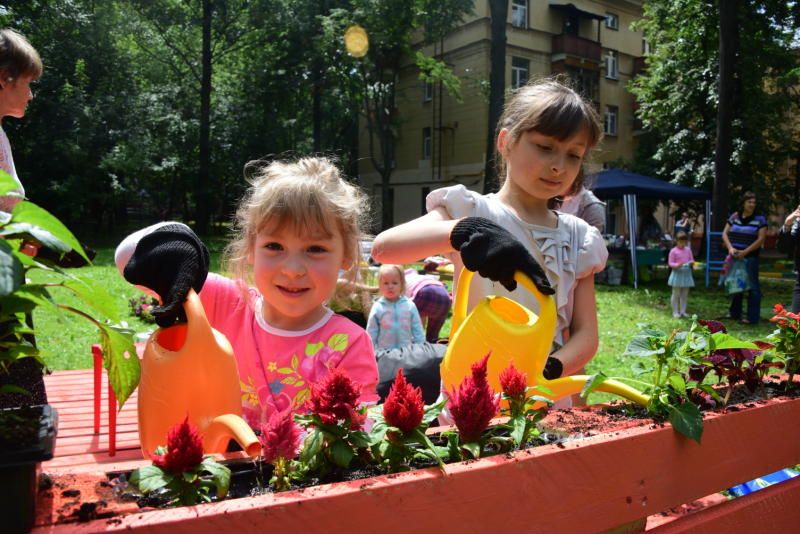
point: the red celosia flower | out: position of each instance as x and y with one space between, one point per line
335 398
280 437
184 449
513 382
474 403
404 406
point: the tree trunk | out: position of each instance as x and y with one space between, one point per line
497 87
203 185
727 67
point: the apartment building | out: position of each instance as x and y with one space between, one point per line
442 141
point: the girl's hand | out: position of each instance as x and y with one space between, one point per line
170 261
496 254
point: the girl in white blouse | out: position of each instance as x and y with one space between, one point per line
545 132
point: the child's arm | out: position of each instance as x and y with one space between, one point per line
582 344
373 324
417 334
428 235
673 258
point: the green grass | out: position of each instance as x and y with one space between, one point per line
66 340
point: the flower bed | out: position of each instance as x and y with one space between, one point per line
591 483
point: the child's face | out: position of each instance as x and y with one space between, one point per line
296 274
681 243
390 285
542 166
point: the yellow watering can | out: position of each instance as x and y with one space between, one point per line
511 332
190 369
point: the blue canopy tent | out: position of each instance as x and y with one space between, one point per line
629 186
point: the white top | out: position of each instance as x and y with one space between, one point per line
10 200
571 251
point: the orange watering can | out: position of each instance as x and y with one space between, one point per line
511 332
190 369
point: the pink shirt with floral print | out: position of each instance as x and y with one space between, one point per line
277 367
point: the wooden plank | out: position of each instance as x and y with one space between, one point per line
772 509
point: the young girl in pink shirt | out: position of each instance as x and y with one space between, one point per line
680 261
297 227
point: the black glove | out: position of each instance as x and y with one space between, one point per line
553 368
170 261
495 254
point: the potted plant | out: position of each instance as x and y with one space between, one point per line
28 424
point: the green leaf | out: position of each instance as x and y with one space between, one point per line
220 475
312 445
120 360
722 341
518 425
678 383
95 296
289 380
313 348
432 411
150 478
423 438
338 342
594 381
12 275
359 439
341 453
686 419
28 218
473 448
7 183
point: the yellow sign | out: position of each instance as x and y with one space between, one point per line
356 41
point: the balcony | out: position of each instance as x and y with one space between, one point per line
571 46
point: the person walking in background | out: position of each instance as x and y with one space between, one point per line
792 226
393 321
680 278
743 236
432 300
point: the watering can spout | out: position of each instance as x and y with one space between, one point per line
230 426
512 334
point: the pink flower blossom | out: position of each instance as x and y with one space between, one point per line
335 399
280 437
513 382
404 406
184 449
474 403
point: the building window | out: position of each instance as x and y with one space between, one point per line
612 21
645 47
586 82
610 126
519 13
427 143
427 91
519 72
612 64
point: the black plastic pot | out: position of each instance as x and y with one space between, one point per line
27 438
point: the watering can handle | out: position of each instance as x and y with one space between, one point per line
462 295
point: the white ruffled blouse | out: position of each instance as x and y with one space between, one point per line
571 251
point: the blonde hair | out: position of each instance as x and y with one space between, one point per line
18 57
681 236
310 195
549 107
387 268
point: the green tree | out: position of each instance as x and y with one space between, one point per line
679 93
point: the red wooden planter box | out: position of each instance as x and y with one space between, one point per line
591 484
